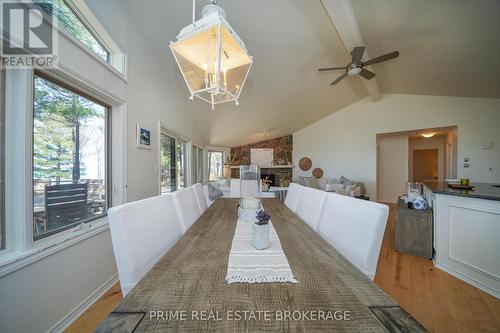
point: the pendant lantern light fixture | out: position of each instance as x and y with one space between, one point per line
212 58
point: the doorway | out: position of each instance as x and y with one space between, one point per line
425 165
423 155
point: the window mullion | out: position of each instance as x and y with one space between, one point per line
18 164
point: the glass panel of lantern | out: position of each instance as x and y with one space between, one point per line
198 58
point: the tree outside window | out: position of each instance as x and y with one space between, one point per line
69 158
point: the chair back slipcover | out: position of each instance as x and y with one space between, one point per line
187 207
309 206
292 196
142 232
355 228
200 197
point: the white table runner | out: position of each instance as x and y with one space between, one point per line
248 265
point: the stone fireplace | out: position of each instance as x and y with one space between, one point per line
282 149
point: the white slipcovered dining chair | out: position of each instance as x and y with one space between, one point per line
309 206
200 197
142 232
355 228
292 196
186 207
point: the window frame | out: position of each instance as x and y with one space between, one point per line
208 164
188 144
200 164
2 157
91 31
196 164
173 156
107 154
184 160
117 61
74 10
20 249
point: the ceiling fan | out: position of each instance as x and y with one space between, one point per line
356 65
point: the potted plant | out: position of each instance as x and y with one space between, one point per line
260 231
266 184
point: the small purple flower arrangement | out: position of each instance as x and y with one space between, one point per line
260 230
262 217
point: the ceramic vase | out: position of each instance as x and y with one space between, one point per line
260 236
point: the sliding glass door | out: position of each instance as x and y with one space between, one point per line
168 181
172 163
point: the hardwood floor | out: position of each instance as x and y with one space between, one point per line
439 301
91 318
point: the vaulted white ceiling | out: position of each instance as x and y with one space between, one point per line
448 47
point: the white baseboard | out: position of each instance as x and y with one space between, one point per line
67 320
478 284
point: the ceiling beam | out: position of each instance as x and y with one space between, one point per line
344 21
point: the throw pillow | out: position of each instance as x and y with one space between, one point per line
311 182
346 181
333 181
322 183
213 192
334 187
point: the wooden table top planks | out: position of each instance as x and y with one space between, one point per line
186 290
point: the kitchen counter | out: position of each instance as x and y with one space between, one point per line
467 233
481 190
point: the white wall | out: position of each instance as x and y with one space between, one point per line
344 143
37 297
46 293
392 166
154 93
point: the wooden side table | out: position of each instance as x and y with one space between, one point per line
414 230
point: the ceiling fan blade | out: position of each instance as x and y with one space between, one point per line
330 69
367 74
357 54
338 79
385 57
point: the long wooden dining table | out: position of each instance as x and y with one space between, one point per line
186 290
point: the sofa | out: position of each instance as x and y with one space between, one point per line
342 186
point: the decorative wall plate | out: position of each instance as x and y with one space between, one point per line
305 163
317 173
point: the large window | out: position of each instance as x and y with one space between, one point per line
72 23
172 163
69 158
215 161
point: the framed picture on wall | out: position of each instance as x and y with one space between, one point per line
262 156
143 137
